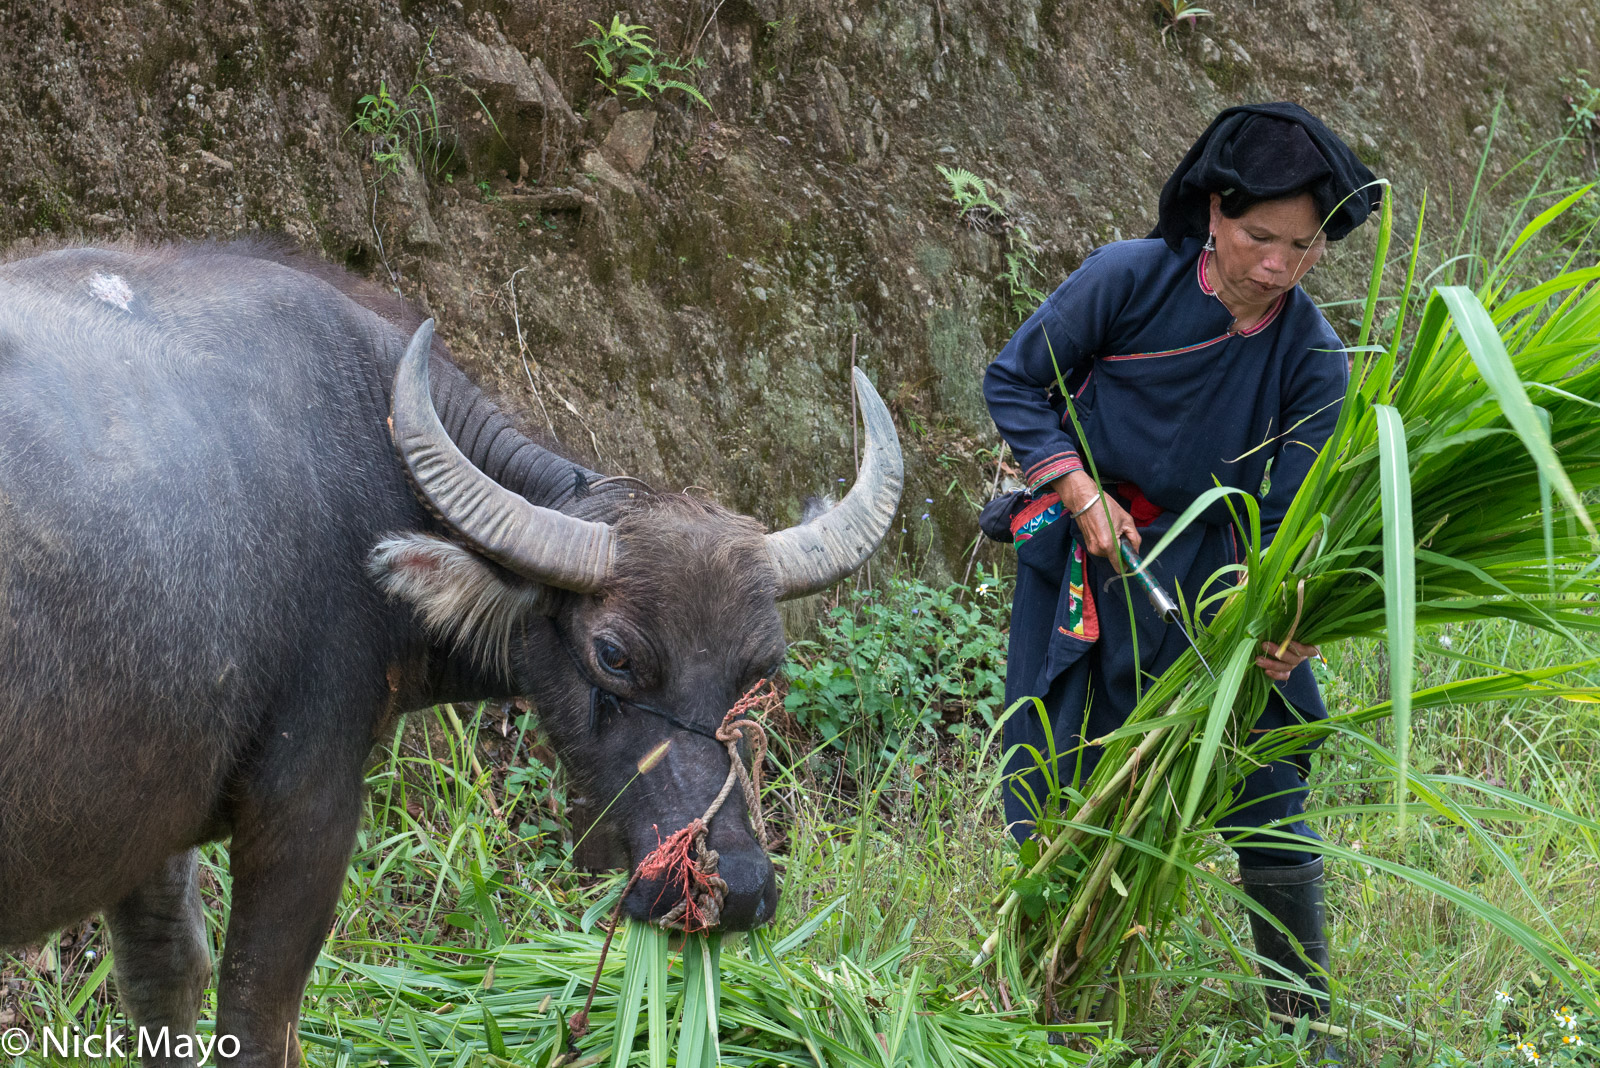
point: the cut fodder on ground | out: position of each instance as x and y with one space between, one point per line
663 1001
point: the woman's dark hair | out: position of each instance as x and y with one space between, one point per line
1236 202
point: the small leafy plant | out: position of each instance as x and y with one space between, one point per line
625 57
976 206
1584 101
399 125
1534 1030
1583 129
1180 13
411 123
901 663
535 796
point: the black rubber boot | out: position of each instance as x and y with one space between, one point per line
1293 896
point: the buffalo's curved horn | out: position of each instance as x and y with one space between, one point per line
815 555
537 543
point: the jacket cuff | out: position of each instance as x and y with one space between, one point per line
1052 468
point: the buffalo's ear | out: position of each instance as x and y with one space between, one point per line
462 598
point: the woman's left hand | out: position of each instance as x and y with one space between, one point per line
1294 655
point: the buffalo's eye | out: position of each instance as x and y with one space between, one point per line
611 656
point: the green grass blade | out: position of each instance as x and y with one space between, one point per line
419 1045
1400 583
904 1016
1217 720
1191 514
656 1020
711 973
1539 222
90 985
633 977
1547 510
601 907
1424 348
1411 279
802 934
1380 259
1494 364
801 1011
493 1037
693 1017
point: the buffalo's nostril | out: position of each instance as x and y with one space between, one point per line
752 890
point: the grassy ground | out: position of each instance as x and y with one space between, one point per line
1425 984
463 860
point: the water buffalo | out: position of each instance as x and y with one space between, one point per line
249 513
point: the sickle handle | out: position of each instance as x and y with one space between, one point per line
1160 600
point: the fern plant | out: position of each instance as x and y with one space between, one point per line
968 191
976 206
1021 270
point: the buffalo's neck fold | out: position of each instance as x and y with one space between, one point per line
487 437
453 677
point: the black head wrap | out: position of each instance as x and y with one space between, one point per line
1265 151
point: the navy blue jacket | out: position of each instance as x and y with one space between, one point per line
1171 404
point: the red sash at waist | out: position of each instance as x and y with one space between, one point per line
1140 507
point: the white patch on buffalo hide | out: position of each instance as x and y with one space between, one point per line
460 596
112 289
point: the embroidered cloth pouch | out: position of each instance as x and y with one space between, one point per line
1034 517
995 519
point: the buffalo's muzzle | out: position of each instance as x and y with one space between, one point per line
750 901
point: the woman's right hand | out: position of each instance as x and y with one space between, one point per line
1100 537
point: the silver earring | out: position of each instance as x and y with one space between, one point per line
1211 243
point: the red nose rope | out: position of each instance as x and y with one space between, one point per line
701 890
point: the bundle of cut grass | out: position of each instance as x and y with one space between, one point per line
1452 489
689 1006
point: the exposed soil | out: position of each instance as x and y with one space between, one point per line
691 321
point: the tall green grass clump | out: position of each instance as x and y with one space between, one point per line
1456 487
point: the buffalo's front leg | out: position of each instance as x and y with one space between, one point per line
288 857
163 961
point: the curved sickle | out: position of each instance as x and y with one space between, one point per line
537 543
815 555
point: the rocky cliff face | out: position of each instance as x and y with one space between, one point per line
674 290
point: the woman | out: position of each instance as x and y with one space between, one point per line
1193 359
